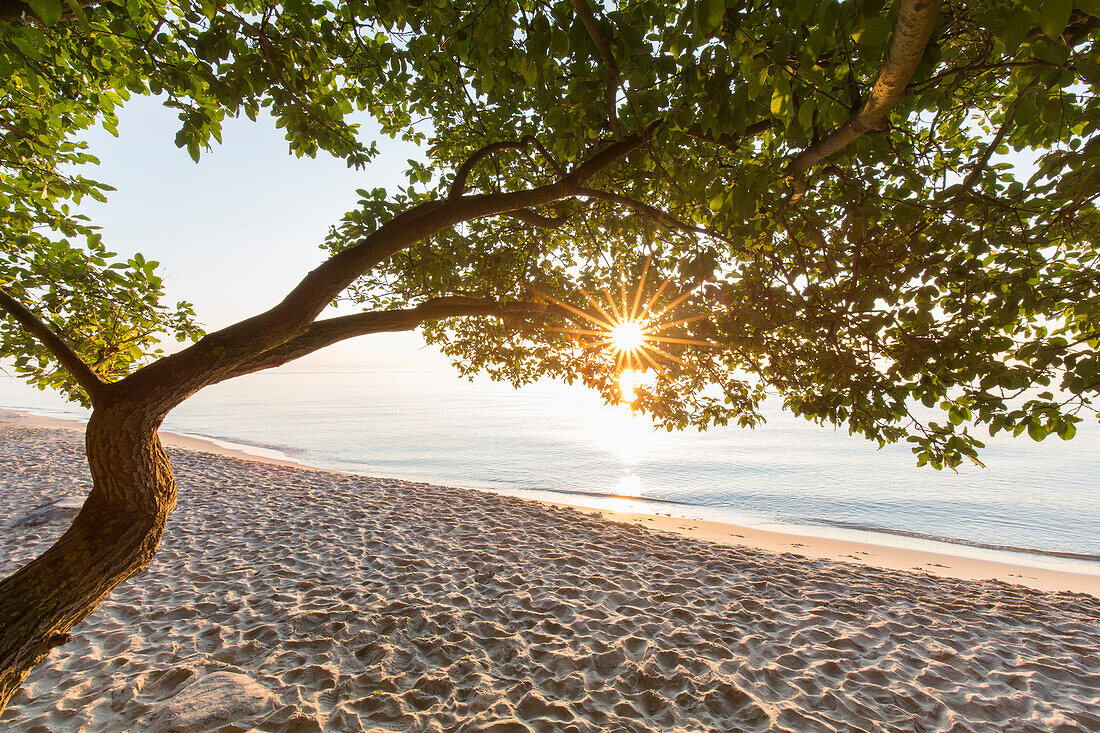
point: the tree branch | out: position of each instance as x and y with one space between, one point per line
584 12
80 371
458 186
333 330
659 216
527 216
204 362
729 142
582 173
983 161
916 20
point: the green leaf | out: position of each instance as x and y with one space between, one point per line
779 100
709 16
1015 26
872 32
48 10
1054 16
1037 430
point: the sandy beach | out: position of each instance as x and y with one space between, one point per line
288 599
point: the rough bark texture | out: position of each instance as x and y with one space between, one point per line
113 538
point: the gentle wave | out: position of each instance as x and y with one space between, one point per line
954 540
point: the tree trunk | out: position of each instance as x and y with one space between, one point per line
114 537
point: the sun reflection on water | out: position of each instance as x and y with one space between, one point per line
628 436
630 485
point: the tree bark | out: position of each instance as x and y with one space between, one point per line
114 537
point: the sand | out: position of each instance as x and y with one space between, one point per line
293 600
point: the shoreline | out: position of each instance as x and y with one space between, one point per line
941 564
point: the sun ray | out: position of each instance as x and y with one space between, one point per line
675 303
665 354
568 307
595 304
680 322
575 331
628 329
670 340
649 358
655 296
611 302
641 287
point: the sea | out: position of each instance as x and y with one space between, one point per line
1033 503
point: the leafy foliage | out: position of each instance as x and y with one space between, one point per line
946 263
57 82
927 267
66 74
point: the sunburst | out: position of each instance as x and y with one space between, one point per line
629 329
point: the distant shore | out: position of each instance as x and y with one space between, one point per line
285 600
946 564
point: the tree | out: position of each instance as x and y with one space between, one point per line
827 191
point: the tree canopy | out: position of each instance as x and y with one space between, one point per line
880 208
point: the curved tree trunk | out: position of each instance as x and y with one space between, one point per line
117 531
113 538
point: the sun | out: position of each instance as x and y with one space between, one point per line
630 329
627 335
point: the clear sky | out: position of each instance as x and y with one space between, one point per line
236 231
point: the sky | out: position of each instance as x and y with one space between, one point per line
237 230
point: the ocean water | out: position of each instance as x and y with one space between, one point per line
556 442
